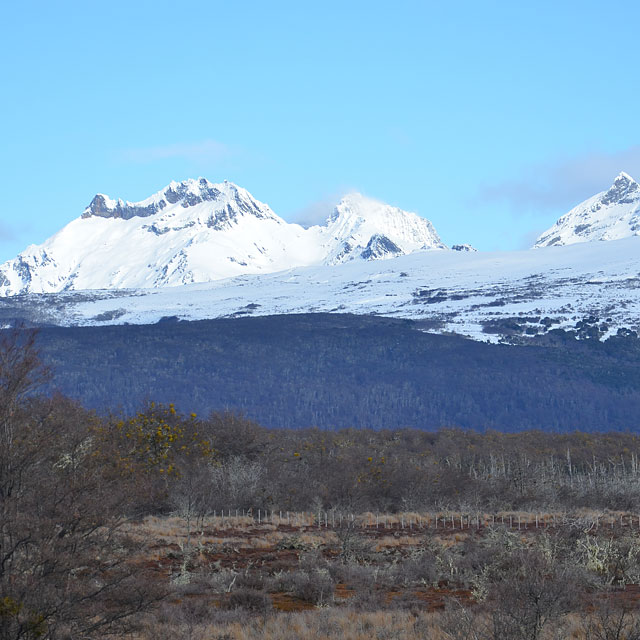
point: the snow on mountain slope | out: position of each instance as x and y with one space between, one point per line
189 232
364 228
197 231
609 215
487 296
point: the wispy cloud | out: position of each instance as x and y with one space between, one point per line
562 183
317 212
203 151
527 239
7 233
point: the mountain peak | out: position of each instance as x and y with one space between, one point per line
352 204
188 193
362 227
621 189
197 231
624 176
609 215
357 207
357 198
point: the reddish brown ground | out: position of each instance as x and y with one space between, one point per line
239 554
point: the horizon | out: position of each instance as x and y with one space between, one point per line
457 114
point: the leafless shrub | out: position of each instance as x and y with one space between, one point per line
65 568
238 482
315 587
421 567
533 592
249 600
616 561
462 623
353 546
609 620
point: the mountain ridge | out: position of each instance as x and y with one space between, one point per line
199 231
158 261
609 215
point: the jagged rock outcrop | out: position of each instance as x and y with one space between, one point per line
609 215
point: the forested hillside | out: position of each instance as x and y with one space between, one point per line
336 371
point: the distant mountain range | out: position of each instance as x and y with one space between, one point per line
229 255
197 231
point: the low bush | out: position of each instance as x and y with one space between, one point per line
249 600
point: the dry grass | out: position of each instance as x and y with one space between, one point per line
167 526
391 531
244 533
339 624
344 624
391 542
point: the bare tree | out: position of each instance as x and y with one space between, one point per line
238 482
530 594
611 620
65 569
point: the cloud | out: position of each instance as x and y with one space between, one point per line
203 151
528 239
562 184
317 212
7 233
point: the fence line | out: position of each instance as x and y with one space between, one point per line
421 521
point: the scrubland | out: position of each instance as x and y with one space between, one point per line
164 524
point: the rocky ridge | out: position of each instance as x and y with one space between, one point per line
198 231
610 215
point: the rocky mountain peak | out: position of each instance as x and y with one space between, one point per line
198 231
186 193
624 190
610 215
364 228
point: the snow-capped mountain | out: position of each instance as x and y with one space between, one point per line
230 255
609 215
197 231
590 288
364 228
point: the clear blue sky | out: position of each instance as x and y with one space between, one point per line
489 118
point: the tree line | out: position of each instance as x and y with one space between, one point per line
339 371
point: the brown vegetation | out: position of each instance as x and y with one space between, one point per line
161 525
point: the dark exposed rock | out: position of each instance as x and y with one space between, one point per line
175 193
343 253
380 246
98 207
430 296
623 191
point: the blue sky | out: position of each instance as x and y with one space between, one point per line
489 118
